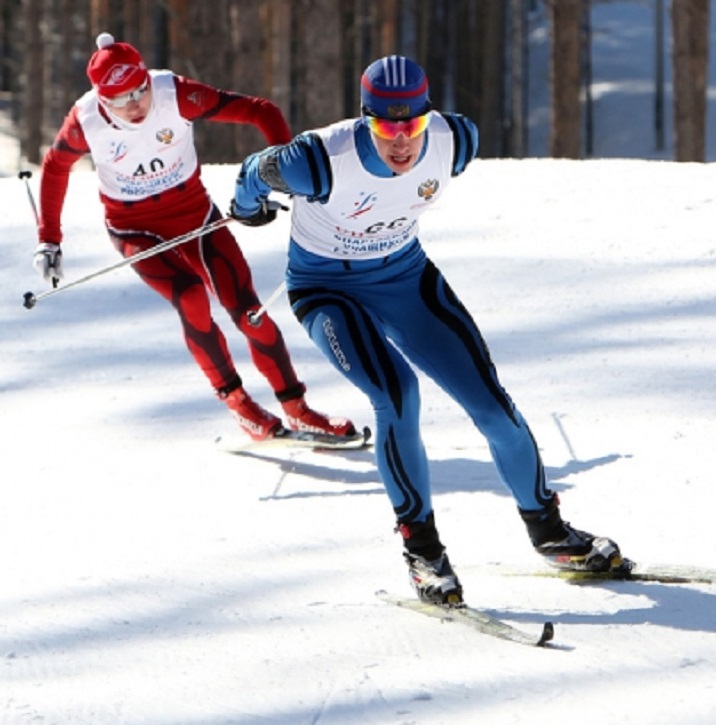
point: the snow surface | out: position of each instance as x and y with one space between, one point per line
149 578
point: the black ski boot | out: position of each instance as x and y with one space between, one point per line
565 547
431 574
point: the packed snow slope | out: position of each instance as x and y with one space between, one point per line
149 578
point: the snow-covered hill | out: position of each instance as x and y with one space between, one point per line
148 578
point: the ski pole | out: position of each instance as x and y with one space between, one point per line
24 176
255 317
30 299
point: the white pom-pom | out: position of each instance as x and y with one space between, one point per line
104 40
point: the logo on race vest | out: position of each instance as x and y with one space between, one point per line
363 205
165 135
428 189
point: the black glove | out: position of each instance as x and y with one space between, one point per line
265 215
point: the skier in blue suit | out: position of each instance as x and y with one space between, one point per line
362 286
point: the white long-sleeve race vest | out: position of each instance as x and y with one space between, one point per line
134 164
366 216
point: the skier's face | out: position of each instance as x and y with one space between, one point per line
133 106
400 153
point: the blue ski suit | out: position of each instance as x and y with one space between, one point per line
371 300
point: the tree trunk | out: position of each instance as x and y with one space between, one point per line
467 61
519 86
433 53
492 94
212 50
690 27
387 22
276 18
352 58
565 62
245 73
8 21
106 16
33 83
72 74
318 45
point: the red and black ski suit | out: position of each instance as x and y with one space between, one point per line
160 196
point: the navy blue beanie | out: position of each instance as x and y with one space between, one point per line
394 87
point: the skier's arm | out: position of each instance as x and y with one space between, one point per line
199 101
466 141
300 168
69 145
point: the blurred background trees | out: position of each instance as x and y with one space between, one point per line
307 56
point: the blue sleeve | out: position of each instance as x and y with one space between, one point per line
299 168
466 141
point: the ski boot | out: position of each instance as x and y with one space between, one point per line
302 418
431 574
567 548
256 422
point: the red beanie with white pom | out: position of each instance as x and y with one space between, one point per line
115 68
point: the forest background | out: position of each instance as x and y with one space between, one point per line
307 56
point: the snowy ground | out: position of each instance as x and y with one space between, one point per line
148 578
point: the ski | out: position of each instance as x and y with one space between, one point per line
296 439
658 573
662 574
474 618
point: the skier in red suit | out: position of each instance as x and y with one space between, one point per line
137 125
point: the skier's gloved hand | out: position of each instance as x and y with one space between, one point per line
48 261
265 214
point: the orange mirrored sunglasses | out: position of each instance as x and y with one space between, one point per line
389 129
